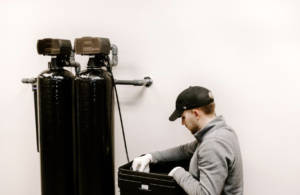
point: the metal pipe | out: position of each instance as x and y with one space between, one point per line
114 51
74 64
146 82
33 82
34 89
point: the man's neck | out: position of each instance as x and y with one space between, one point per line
205 120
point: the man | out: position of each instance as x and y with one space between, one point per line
215 159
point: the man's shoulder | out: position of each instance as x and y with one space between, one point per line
223 133
222 137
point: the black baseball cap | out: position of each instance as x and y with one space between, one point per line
192 97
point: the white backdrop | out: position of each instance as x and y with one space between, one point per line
246 52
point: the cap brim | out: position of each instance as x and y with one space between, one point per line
176 114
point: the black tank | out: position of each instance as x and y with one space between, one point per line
94 127
56 128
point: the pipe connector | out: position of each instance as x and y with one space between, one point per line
114 51
29 80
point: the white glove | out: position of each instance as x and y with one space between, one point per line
172 172
141 163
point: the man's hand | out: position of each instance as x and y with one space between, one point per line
141 163
172 172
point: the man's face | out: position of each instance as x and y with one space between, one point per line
190 120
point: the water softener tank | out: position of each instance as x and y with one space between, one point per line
94 119
55 97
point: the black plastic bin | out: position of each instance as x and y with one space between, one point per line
157 182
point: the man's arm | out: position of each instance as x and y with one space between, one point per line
175 154
214 157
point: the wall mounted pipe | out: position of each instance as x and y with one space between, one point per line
147 81
33 82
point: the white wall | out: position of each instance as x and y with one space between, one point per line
246 52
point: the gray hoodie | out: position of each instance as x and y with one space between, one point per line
215 161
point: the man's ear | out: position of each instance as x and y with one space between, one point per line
196 112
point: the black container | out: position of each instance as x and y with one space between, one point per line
56 129
157 182
94 126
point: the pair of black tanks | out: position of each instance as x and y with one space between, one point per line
75 124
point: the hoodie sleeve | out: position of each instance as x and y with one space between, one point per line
213 161
175 154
